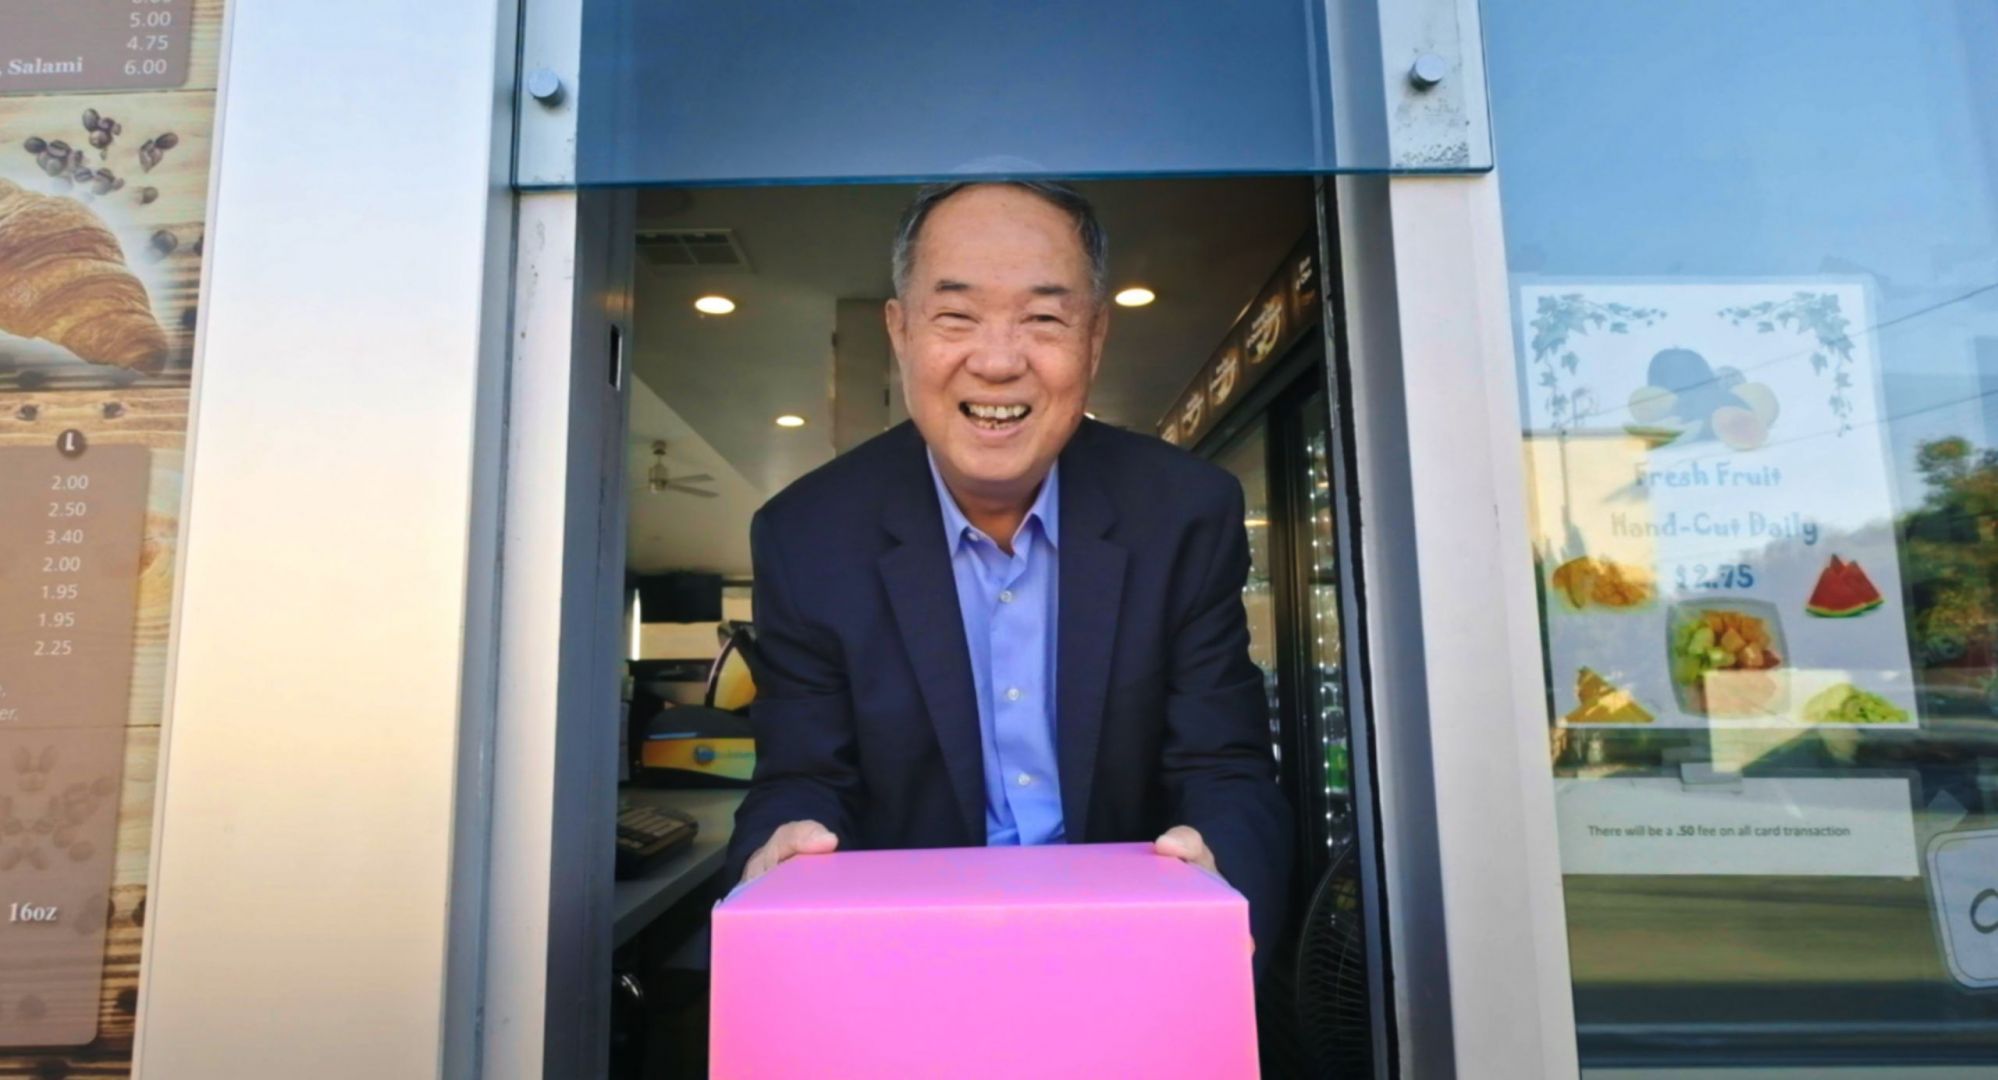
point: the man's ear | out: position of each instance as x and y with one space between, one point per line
893 315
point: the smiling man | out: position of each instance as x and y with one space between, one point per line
1001 622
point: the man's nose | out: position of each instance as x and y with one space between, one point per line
999 355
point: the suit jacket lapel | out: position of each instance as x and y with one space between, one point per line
1090 591
923 593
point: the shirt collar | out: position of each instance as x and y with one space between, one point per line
1046 511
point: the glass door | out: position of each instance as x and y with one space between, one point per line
1323 730
1248 459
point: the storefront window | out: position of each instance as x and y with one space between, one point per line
1754 258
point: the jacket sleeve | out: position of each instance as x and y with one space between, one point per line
1219 772
806 766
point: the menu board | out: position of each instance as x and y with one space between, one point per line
95 45
69 560
107 115
1713 513
1290 303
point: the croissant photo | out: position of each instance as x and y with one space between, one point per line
63 279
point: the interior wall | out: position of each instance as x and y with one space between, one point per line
861 368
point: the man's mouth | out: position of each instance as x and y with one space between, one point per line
994 417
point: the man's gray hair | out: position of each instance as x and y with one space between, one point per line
1095 242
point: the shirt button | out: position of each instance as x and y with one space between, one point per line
1013 694
1025 780
1005 596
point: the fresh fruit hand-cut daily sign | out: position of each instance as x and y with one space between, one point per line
1713 511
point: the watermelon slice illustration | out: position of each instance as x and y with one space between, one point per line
1843 592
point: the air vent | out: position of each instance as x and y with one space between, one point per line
687 250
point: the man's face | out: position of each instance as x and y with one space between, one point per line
999 334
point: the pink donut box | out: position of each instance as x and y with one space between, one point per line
1093 961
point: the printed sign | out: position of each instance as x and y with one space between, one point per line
1963 889
1714 521
1833 826
96 45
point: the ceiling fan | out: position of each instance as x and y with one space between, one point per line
659 479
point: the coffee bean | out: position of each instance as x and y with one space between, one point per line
118 184
148 194
113 410
167 141
128 1000
100 139
164 242
26 412
35 144
30 380
54 166
188 318
103 185
57 146
148 157
114 127
83 176
91 119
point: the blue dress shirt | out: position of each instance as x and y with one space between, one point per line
1009 608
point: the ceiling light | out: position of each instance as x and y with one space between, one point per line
714 305
790 420
1136 296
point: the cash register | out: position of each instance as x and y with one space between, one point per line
705 745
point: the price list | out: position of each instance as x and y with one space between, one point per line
70 45
71 525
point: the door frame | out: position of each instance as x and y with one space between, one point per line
1471 912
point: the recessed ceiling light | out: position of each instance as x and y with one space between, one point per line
714 305
790 420
1136 296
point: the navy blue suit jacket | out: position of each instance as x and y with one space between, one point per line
865 717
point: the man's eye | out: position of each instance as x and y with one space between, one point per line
1055 319
958 317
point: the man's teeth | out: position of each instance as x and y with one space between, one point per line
996 412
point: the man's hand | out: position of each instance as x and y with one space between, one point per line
1181 842
801 838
